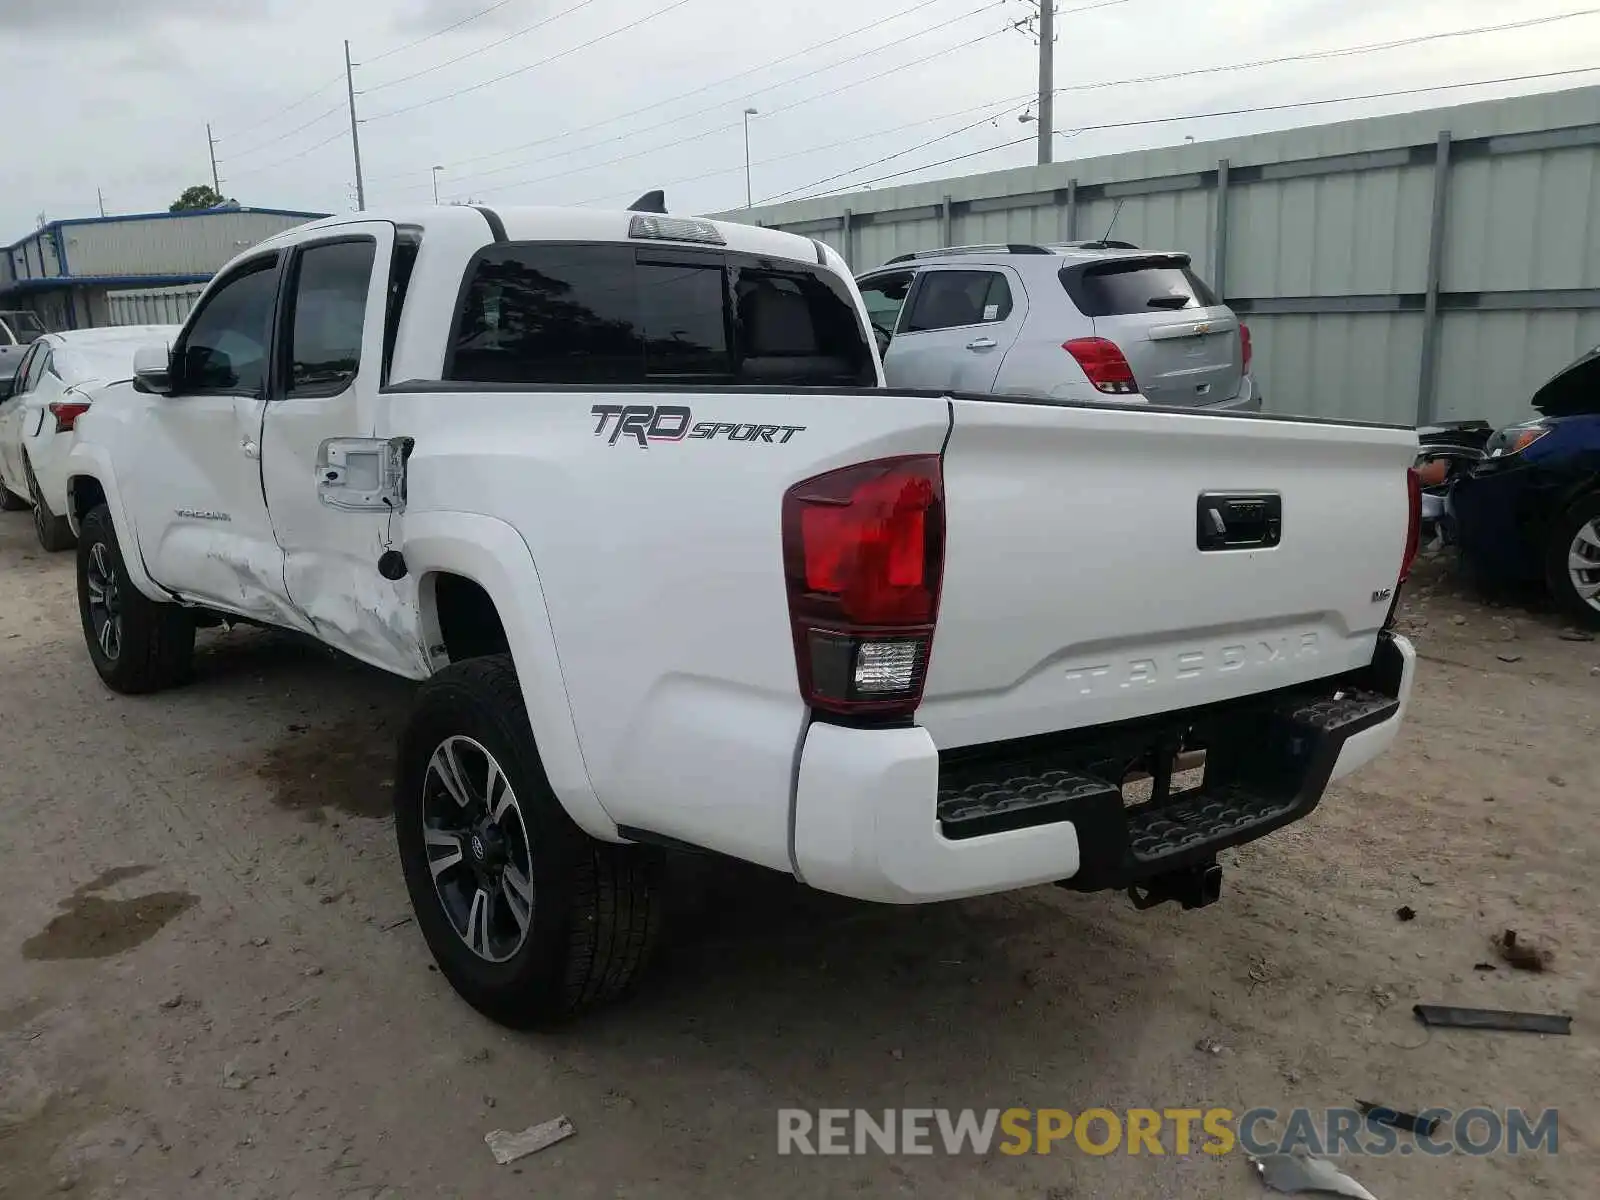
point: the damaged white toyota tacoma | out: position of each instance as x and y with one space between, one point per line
626 494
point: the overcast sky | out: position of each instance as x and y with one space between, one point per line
116 94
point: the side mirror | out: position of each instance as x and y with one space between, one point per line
882 337
152 370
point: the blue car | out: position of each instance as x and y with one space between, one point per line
1530 510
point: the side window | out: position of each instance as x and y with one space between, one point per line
37 368
225 347
681 315
29 357
951 298
550 314
329 309
885 296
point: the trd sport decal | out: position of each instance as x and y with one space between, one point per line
675 423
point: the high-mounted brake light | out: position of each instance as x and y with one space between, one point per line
66 413
863 552
675 229
1414 521
1244 344
1104 364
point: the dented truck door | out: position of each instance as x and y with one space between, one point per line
334 492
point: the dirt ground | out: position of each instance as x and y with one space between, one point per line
210 985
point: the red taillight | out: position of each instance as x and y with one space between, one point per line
1244 344
863 552
66 413
1414 526
1104 364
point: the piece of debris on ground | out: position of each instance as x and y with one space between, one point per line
1406 913
1523 954
1445 1016
1290 1173
508 1147
1382 1114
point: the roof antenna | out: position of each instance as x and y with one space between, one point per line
1106 237
650 202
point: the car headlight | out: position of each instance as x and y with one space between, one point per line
1515 440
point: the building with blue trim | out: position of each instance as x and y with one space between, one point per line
67 270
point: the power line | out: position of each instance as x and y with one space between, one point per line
232 174
1308 56
450 62
660 12
721 128
1232 112
321 116
766 66
992 111
428 37
309 96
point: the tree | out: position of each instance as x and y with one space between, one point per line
198 196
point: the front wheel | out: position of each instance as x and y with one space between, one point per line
136 644
1572 567
528 917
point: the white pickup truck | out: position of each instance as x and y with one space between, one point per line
627 493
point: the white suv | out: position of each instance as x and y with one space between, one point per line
1075 321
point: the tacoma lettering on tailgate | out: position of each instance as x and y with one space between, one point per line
1192 664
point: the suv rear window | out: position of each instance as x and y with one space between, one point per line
1140 286
554 313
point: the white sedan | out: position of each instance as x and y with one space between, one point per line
55 384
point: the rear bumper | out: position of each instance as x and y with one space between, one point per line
878 816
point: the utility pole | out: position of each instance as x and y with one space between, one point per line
749 196
211 145
101 197
355 137
1047 79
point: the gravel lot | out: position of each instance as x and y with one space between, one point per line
210 986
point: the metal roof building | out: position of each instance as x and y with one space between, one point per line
64 270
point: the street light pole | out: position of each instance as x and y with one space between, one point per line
749 196
436 171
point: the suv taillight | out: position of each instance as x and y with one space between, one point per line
1414 526
1104 364
863 556
1244 344
66 413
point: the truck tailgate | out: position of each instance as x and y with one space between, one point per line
1106 563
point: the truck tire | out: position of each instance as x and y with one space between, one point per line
10 501
1574 542
529 918
55 533
136 644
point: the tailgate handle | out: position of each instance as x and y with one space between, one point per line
1238 520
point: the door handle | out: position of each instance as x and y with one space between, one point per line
251 449
983 343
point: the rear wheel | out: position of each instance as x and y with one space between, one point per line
55 533
136 644
528 917
1572 566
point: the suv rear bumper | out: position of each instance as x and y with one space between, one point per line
878 816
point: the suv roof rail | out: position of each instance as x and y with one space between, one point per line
1099 244
992 248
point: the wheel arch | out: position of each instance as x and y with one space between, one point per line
92 480
457 557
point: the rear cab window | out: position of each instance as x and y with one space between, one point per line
1137 285
580 314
